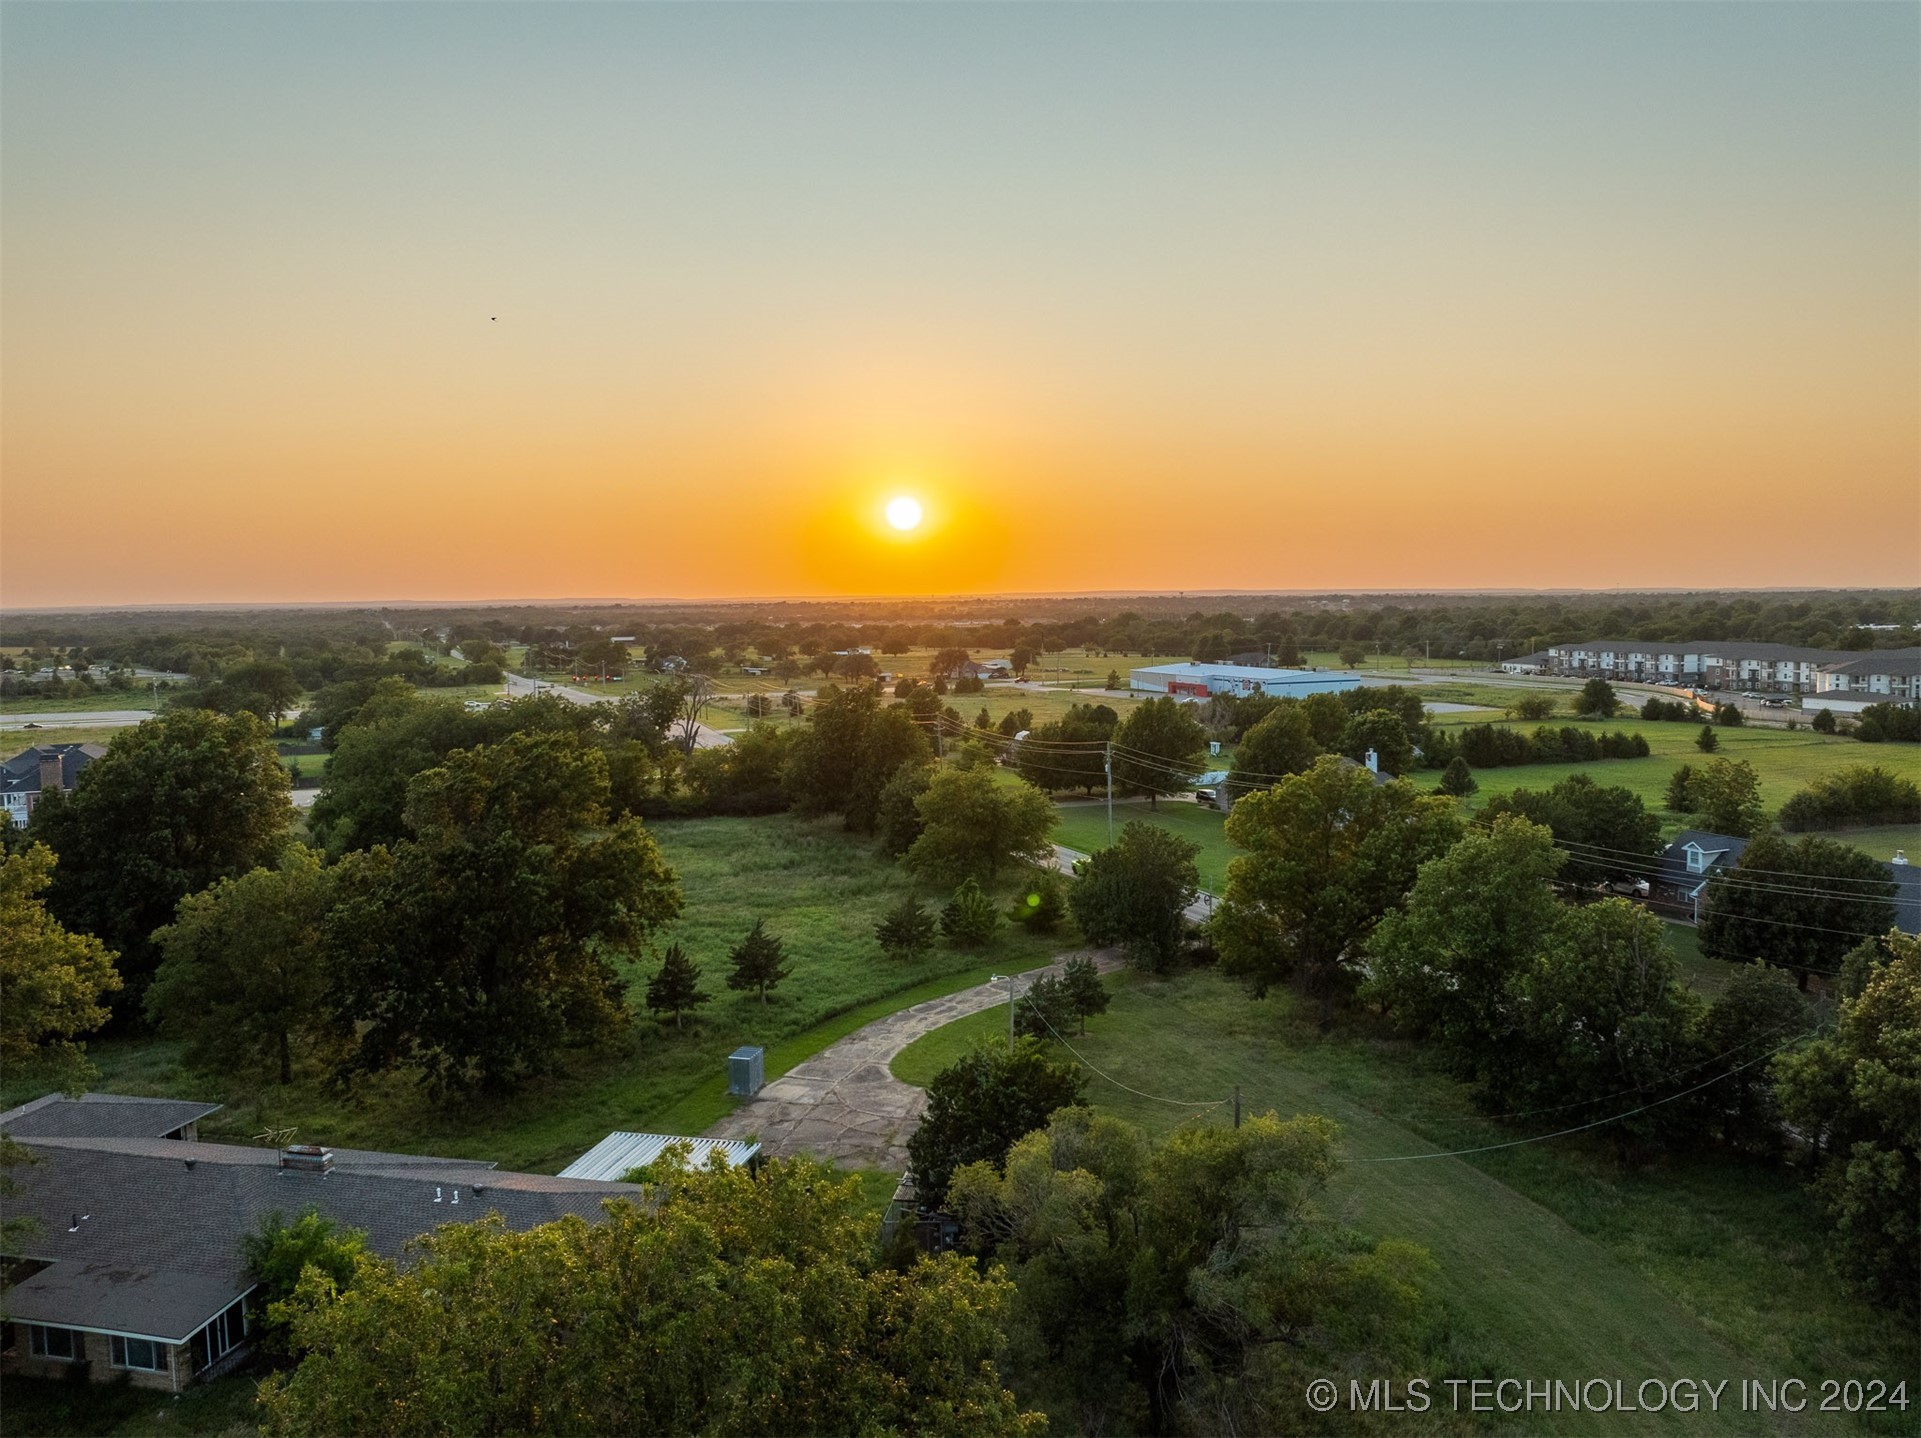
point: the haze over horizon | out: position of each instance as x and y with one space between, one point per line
330 303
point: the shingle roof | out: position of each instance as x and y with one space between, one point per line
1721 851
102 1116
21 773
156 1248
1905 663
1907 897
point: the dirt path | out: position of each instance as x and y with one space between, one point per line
843 1103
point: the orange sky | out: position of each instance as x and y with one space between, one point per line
316 303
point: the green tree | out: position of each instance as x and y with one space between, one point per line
1823 721
753 1298
53 980
1680 791
1280 744
478 950
1086 994
1327 853
969 919
1326 717
979 1104
1727 797
1457 780
759 961
1446 962
1707 741
1607 831
1758 1011
263 687
1045 1009
897 819
1533 706
1157 749
675 987
185 799
1383 733
825 763
1729 716
1191 1287
905 931
893 741
974 826
1597 699
1858 794
1799 904
1135 894
245 967
277 1254
1045 903
1352 655
1857 1094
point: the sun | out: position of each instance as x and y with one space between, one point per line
903 512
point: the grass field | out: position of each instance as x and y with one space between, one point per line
57 1408
1553 1262
818 889
1084 827
12 741
136 698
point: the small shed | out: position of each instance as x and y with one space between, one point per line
615 1154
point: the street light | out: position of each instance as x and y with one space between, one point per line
1013 985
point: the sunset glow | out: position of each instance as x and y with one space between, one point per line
903 512
335 302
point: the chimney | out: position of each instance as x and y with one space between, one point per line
1373 762
307 1158
1900 857
52 771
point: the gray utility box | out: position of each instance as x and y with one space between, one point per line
745 1071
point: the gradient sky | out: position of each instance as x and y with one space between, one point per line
1143 297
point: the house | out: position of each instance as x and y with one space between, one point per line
1535 663
133 1266
1685 866
983 669
39 770
1885 676
1197 681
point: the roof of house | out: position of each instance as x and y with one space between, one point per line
102 1115
1539 656
21 773
1907 897
615 1154
1718 851
1903 662
1714 648
141 1234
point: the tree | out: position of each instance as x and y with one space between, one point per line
1857 1095
973 826
1280 744
185 799
263 687
946 663
1457 780
1086 994
1194 1286
825 765
1445 964
54 980
979 1104
1135 894
1680 790
1533 706
905 931
758 961
675 987
1326 717
1352 655
1802 905
1114 680
1382 733
1046 903
1327 853
1823 721
1608 833
1597 699
1889 724
245 967
277 1255
1757 1012
1727 797
477 951
1729 716
1045 1010
897 812
1157 748
1602 1013
1707 741
1858 794
969 919
753 1297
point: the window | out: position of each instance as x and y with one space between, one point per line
213 1342
61 1343
141 1353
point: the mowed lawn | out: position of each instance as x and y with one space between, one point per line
820 890
1084 827
1553 1261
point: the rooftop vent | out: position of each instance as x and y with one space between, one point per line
1900 857
307 1158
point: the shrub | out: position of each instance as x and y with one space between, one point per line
1858 794
1824 721
1459 779
906 931
969 919
1044 904
1889 724
1532 706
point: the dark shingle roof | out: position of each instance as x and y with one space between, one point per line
102 1116
1721 851
1905 663
21 773
1907 897
156 1248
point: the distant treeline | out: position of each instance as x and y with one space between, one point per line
1485 746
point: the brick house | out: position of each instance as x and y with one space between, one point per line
39 770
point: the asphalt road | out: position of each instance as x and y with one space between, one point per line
79 719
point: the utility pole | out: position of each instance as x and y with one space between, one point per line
1237 1105
1110 793
995 979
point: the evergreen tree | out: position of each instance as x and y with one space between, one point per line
1085 991
1045 904
676 988
1458 779
906 931
1046 1010
969 918
1680 792
757 961
1707 741
1824 721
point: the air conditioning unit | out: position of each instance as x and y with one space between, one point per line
746 1071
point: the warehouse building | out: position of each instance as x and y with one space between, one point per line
1198 681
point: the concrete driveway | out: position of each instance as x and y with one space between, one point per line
843 1104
